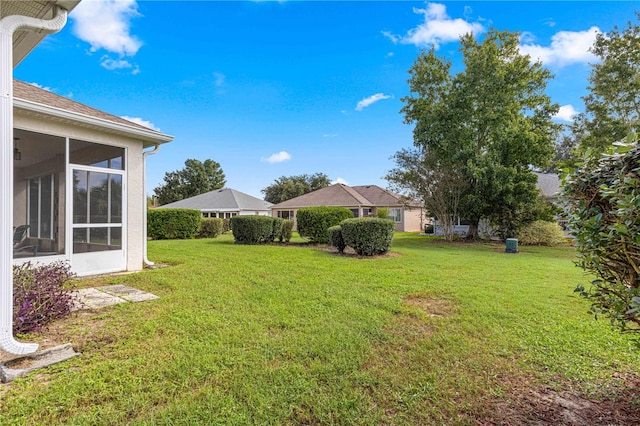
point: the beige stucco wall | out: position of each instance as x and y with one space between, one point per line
413 220
135 199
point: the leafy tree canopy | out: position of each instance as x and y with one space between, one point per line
612 107
288 187
194 179
490 123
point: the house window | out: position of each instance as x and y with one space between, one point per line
40 211
286 214
367 212
356 212
395 215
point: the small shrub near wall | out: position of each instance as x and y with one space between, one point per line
368 236
335 238
173 224
211 227
226 225
255 229
41 294
541 233
313 222
287 230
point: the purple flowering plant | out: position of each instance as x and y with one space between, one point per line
41 294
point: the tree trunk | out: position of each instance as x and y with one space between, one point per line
472 233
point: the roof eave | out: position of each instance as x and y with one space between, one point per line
146 135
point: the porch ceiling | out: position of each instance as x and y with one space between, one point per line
25 41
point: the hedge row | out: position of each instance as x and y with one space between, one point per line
172 224
211 227
313 222
256 229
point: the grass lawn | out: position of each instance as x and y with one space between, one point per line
434 333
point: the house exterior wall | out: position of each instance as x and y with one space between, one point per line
413 220
133 240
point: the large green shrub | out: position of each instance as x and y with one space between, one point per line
313 222
255 229
603 206
368 236
287 230
172 224
335 238
541 233
211 227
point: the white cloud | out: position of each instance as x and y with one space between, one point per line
566 113
330 135
106 24
437 28
114 64
339 180
141 122
220 79
278 157
47 88
371 100
567 47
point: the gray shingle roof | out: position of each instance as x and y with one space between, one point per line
549 184
226 199
343 196
29 92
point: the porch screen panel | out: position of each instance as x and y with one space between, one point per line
98 196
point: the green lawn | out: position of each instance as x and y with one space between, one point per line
434 334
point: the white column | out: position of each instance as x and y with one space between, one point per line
8 26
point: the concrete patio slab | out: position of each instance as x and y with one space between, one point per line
22 365
92 298
127 293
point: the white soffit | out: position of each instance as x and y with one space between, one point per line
24 41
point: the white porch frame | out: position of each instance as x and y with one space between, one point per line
8 26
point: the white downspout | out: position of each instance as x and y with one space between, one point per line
8 26
145 154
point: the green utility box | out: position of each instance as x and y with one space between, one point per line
512 245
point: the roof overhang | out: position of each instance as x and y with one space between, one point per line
24 41
150 137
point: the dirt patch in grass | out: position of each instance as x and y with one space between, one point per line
617 405
80 328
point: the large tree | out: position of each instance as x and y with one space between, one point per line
612 107
490 122
421 176
287 187
195 178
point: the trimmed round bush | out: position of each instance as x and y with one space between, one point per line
313 222
287 230
541 233
173 224
335 238
255 229
368 236
211 227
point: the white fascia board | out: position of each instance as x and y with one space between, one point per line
147 135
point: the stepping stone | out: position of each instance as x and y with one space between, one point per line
93 298
25 364
127 293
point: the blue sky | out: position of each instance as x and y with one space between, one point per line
272 89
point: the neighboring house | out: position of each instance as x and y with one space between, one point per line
361 200
224 203
549 186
